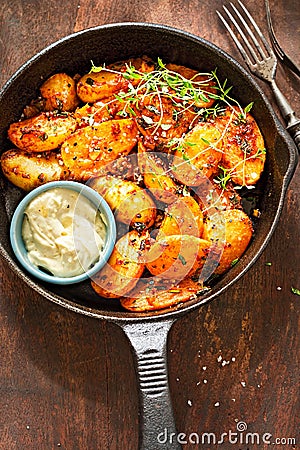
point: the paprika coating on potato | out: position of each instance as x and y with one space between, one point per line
124 267
231 230
42 133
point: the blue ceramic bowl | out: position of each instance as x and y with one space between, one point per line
19 246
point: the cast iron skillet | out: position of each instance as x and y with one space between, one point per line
147 332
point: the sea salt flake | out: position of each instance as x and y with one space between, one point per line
225 363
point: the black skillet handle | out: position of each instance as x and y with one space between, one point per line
157 426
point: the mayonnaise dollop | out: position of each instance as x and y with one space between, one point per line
63 232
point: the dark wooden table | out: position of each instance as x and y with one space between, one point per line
67 381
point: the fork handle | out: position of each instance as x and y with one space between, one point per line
289 115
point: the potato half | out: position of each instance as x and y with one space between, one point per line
176 257
41 133
30 170
89 149
124 267
231 230
132 204
154 294
199 155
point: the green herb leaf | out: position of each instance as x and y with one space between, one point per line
181 258
295 291
248 107
96 69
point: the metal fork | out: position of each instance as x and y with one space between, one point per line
281 55
260 59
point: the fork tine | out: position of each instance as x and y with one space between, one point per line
260 34
243 36
235 39
248 29
284 58
272 36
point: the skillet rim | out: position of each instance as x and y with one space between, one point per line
124 317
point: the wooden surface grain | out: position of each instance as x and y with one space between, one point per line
67 381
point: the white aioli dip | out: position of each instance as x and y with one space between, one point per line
63 232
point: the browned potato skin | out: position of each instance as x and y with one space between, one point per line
196 159
106 109
208 85
42 133
212 197
123 269
234 235
89 149
153 170
184 216
96 86
30 170
59 92
244 148
152 295
163 125
143 65
175 257
132 204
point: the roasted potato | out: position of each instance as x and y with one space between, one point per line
141 65
176 257
59 92
156 179
95 86
199 154
89 149
41 133
132 204
231 230
154 294
161 121
30 170
124 267
211 197
204 82
93 114
105 82
244 148
184 216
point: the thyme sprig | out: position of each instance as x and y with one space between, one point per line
184 93
226 174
